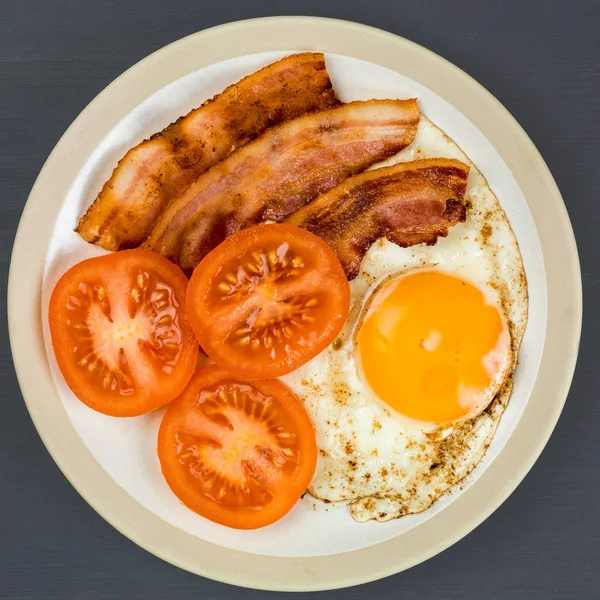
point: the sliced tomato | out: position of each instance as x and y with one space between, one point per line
120 333
238 453
267 300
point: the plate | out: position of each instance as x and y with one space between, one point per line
290 555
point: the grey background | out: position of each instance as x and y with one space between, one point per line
541 59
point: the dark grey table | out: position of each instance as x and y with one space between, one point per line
541 59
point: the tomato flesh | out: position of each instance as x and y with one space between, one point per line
267 300
238 453
120 333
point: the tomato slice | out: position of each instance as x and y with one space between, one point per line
120 334
267 300
240 454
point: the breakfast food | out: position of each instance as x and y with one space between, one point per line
119 332
267 300
160 168
392 456
279 172
240 454
353 278
408 203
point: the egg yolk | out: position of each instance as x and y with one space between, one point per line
432 348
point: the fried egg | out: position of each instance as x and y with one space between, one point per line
406 400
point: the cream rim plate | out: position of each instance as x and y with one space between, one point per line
563 303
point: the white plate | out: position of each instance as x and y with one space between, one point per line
138 105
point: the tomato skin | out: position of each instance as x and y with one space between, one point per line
276 316
112 272
184 415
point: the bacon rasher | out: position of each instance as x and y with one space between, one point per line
160 168
278 173
408 203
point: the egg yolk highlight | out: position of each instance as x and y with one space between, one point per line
432 347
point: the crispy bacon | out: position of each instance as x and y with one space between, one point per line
279 172
160 168
408 203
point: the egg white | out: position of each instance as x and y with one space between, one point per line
386 465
